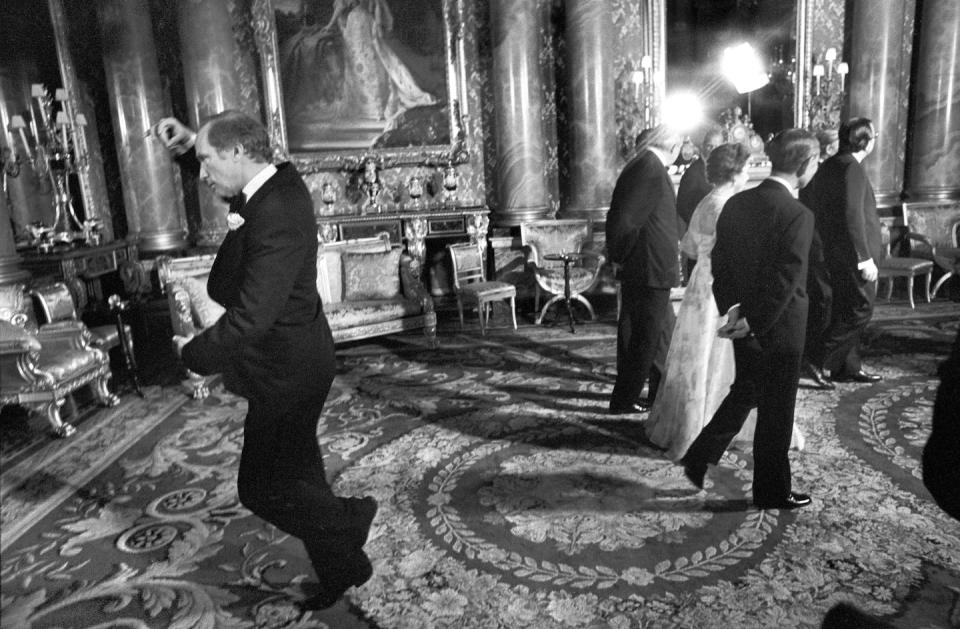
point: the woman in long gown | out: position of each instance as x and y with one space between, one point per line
700 365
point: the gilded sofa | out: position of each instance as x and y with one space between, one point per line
41 365
367 287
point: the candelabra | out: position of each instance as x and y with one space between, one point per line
50 143
827 90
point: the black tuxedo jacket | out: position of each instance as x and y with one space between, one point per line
273 337
760 258
641 224
693 187
842 200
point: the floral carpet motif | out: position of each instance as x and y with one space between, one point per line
508 497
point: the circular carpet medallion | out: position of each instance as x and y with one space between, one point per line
521 514
894 419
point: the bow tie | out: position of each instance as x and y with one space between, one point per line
237 202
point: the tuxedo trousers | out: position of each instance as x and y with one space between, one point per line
282 478
643 338
766 379
851 310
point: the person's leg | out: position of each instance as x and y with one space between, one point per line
639 328
771 440
852 308
716 436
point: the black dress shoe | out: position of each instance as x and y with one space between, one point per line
639 407
814 373
793 501
330 593
856 376
695 472
364 510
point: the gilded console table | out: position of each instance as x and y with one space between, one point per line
81 267
412 227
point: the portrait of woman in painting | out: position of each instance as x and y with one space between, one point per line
358 74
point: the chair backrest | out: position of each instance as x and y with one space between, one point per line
330 263
172 269
54 302
936 222
555 236
467 264
15 307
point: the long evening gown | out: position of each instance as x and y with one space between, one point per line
700 366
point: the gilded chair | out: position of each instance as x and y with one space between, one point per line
472 288
41 366
892 267
934 228
54 302
545 239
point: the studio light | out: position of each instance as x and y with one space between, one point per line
743 67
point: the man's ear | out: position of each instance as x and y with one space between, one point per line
238 150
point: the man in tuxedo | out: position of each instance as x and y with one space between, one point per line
641 230
694 185
842 200
760 273
273 346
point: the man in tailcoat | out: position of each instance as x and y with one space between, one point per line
641 230
273 346
760 272
843 202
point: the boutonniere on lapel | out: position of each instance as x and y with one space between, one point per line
234 221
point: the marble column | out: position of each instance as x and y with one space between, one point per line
218 75
593 145
933 167
520 174
880 48
151 186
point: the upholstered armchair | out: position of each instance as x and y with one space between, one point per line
933 230
184 281
544 239
41 366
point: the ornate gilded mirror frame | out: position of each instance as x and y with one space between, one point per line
454 152
801 90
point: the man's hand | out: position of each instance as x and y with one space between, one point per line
179 342
174 135
736 326
869 270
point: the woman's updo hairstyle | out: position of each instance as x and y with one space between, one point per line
725 161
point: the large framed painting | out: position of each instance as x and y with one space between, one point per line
345 79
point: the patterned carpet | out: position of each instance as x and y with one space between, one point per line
508 499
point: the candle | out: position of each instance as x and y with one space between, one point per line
817 73
63 122
16 122
842 70
830 56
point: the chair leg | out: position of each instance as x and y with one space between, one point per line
910 290
619 301
889 288
940 282
482 315
927 285
513 311
536 300
51 410
460 310
104 396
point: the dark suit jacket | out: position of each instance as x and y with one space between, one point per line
273 337
842 200
642 224
760 258
693 187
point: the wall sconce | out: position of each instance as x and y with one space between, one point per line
828 90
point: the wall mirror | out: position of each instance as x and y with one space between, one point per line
345 81
699 30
